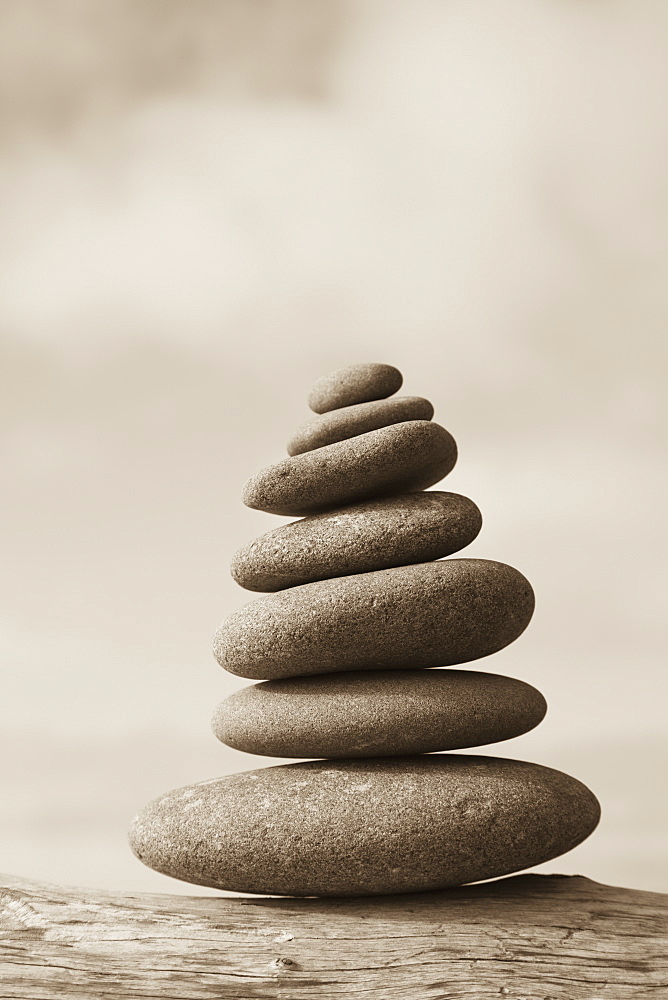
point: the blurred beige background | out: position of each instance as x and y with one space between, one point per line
206 205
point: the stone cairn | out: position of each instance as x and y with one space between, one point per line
357 603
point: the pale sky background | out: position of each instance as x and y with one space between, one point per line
206 205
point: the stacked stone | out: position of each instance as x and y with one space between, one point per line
358 602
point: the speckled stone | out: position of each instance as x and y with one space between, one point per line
427 615
397 459
349 421
354 384
409 528
377 713
365 827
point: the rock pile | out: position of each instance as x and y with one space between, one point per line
356 607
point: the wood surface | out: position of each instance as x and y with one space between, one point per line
529 937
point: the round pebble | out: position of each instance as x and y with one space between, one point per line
354 384
352 420
400 458
426 615
377 713
378 534
365 827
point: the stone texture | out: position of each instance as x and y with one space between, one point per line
354 384
377 713
409 528
426 615
364 827
352 420
401 458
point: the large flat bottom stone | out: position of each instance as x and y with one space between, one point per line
365 827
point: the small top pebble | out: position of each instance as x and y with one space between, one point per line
354 384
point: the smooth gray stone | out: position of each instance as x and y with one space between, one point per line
377 713
365 826
428 615
354 384
398 459
352 420
378 534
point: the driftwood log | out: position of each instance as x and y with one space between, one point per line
529 937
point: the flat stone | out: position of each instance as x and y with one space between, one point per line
365 827
426 615
401 458
378 534
349 421
354 384
377 713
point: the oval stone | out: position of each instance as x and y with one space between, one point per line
427 615
377 713
398 459
378 534
352 420
354 384
365 827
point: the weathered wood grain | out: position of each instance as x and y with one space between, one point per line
529 937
